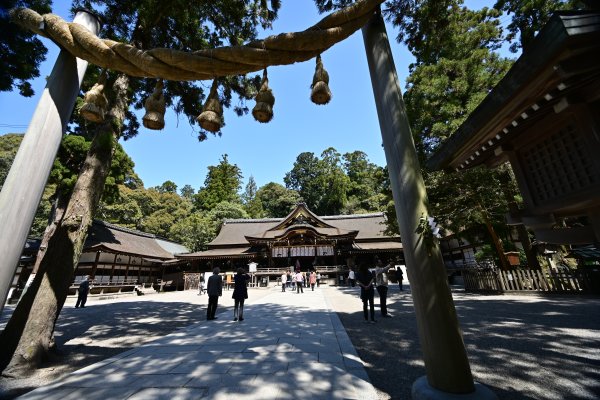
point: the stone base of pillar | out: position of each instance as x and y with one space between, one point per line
421 390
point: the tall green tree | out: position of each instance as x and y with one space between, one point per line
367 188
321 182
252 204
277 201
528 17
184 25
222 183
21 51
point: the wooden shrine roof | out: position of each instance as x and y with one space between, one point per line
111 238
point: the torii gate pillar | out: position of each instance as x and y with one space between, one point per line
446 363
25 182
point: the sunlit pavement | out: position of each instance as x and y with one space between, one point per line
290 346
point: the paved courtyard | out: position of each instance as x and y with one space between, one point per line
316 345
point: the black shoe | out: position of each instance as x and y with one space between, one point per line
241 318
386 316
235 319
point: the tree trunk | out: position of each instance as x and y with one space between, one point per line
23 351
495 239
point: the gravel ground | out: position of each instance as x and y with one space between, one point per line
520 346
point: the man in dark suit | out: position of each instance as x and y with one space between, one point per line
214 289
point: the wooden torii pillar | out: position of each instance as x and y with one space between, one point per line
25 182
446 363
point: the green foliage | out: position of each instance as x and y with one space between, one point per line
528 18
194 231
167 187
21 51
222 183
9 145
187 26
276 200
321 182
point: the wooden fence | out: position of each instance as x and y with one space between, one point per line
519 280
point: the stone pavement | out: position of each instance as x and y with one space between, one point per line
289 346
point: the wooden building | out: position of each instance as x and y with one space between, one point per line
328 244
544 118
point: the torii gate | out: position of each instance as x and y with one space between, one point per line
447 366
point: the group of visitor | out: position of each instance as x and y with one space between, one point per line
299 280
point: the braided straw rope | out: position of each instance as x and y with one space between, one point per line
282 49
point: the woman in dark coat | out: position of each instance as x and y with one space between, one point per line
240 293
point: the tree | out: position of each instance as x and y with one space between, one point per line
187 191
277 201
456 68
20 51
252 204
528 18
167 187
194 231
186 25
304 179
366 190
222 183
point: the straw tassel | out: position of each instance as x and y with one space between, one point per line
263 110
95 102
320 93
155 109
211 117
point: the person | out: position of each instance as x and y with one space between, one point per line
240 293
299 282
313 280
201 285
82 292
283 281
400 276
366 281
214 289
381 281
289 279
352 277
318 279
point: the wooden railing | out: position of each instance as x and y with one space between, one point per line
519 280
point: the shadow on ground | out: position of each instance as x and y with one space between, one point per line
521 347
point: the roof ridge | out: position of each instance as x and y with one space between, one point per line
352 216
124 229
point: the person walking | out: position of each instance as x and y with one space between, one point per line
400 276
352 277
214 288
283 281
82 292
240 293
381 281
299 282
289 279
366 280
313 280
318 279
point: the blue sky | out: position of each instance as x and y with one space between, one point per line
265 151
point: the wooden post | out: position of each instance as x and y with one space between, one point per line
446 363
25 182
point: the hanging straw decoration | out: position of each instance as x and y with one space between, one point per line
155 109
211 117
95 102
263 110
320 93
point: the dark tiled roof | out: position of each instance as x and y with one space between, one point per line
117 239
234 231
